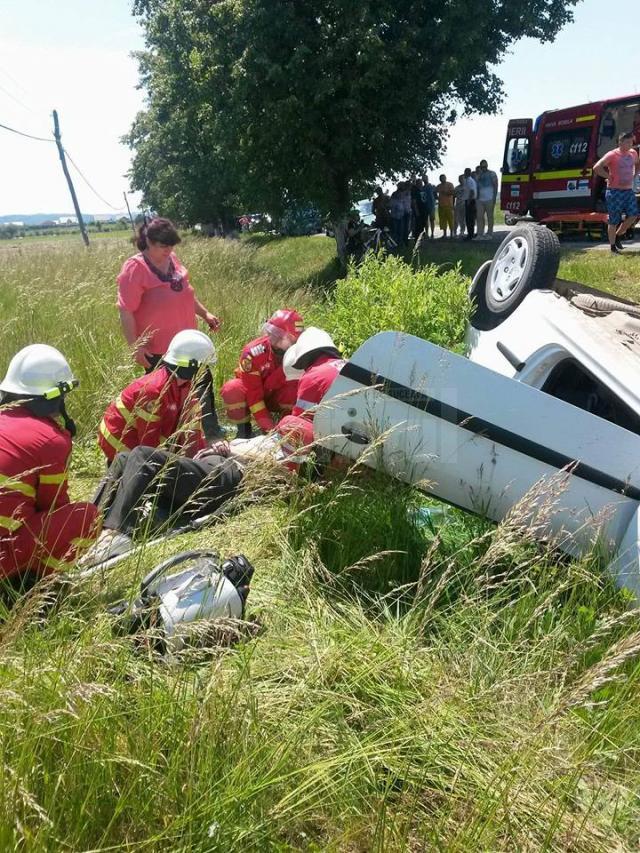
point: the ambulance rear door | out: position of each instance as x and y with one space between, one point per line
515 191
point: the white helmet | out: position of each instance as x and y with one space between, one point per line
290 371
38 371
190 348
310 340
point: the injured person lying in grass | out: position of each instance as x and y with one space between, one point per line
149 491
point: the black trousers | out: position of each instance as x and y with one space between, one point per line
470 216
174 484
205 393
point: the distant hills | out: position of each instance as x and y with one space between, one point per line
39 218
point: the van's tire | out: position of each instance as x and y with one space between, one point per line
601 305
481 317
510 219
526 260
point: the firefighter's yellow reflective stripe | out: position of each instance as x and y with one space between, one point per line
515 179
239 420
111 439
232 406
53 479
16 485
586 118
10 523
562 173
138 412
257 407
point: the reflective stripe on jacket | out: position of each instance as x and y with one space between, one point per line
34 454
150 410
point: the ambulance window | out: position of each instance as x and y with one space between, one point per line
567 149
516 157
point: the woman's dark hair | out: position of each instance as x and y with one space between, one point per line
158 230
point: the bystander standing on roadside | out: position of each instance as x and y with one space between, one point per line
458 213
429 202
620 167
419 216
445 193
381 208
404 188
487 182
470 195
397 215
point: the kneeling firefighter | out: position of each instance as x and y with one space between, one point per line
315 361
40 529
162 404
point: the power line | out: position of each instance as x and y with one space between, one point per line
28 135
17 100
92 188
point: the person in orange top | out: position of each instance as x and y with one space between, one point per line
161 404
260 387
156 301
41 531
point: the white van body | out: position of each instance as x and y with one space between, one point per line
489 444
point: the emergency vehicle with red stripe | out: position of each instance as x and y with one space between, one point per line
547 171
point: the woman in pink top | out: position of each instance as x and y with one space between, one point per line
156 301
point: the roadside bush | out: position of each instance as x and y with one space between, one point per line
386 293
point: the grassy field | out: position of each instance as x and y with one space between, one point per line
403 685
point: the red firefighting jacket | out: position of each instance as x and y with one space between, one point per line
261 374
34 453
149 411
296 429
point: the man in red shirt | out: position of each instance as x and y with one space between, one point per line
620 167
40 529
161 404
260 387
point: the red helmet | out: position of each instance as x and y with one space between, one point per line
284 322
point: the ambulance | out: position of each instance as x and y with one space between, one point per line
547 171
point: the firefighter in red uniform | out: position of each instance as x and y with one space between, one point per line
40 529
260 387
161 404
316 361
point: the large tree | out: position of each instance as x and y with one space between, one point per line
274 101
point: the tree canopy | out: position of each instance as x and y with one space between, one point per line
262 102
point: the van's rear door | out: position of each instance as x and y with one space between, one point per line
515 190
480 440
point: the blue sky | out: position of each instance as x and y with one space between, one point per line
75 57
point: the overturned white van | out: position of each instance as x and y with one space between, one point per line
476 438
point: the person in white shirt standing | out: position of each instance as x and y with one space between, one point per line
487 182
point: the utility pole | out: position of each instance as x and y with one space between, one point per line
74 199
126 201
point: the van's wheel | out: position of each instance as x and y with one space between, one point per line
527 259
481 317
510 219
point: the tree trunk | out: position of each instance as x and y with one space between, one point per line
340 232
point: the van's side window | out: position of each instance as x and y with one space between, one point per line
566 149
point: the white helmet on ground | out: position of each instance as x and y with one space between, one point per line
38 371
312 339
190 348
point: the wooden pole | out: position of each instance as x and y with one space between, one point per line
126 201
74 199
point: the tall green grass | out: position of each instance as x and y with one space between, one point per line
402 685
